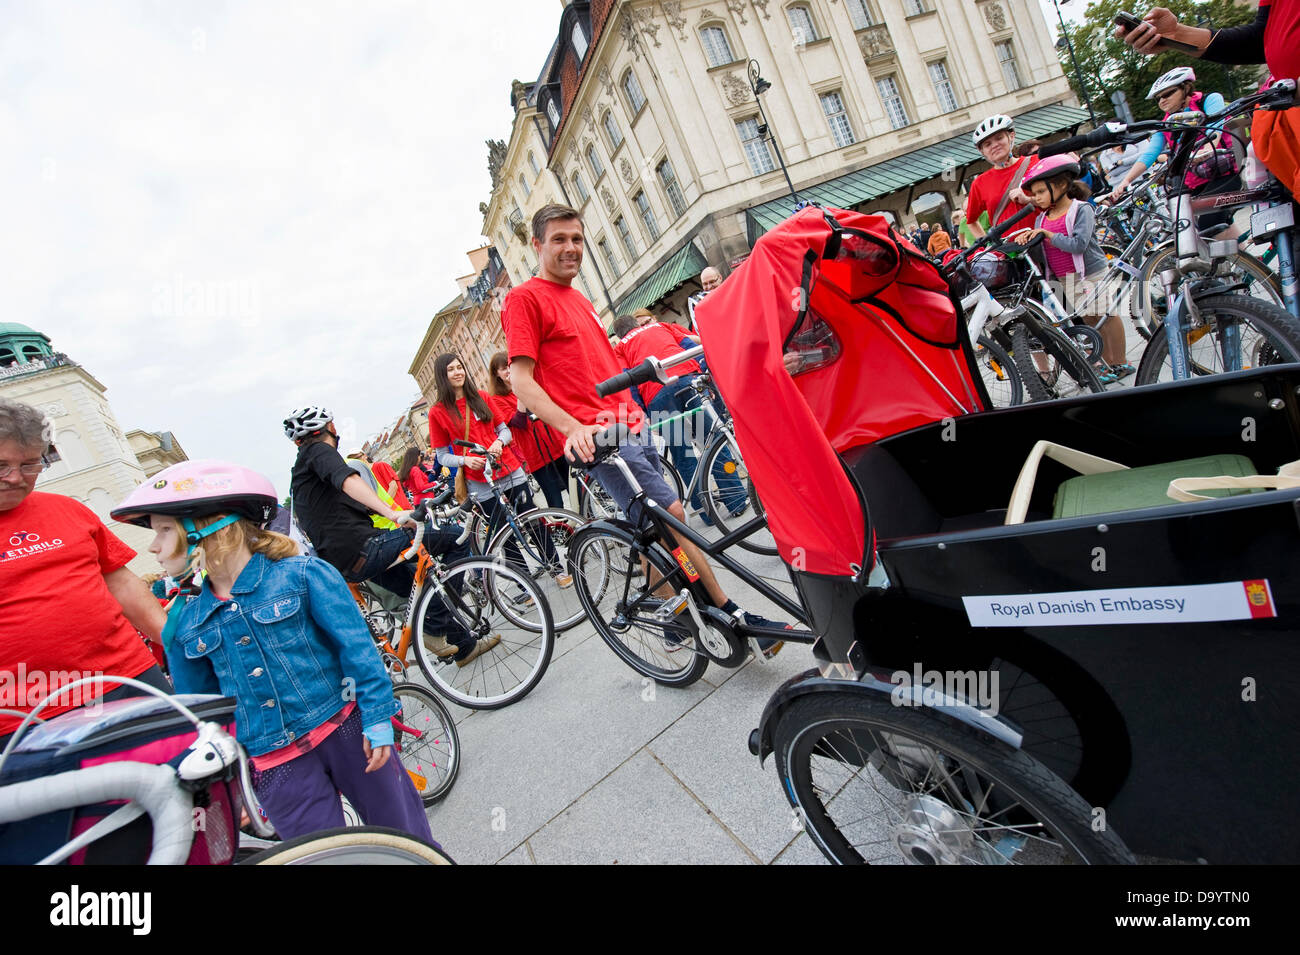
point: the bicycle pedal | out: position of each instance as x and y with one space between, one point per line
670 608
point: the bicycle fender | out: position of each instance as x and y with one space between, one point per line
877 683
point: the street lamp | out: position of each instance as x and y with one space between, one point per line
1078 73
758 86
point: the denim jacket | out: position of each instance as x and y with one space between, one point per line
290 646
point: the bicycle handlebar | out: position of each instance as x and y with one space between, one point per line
652 369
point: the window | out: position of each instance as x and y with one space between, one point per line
524 183
580 186
532 162
756 151
892 98
608 255
716 47
913 7
635 98
647 214
833 107
671 187
801 25
611 130
502 243
597 170
579 39
553 113
943 86
625 234
860 14
1007 59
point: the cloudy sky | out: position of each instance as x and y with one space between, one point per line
224 210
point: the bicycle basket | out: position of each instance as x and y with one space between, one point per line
994 270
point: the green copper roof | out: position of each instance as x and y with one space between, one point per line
686 263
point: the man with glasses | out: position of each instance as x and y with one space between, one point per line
69 607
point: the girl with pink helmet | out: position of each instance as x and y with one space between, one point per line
281 634
1067 224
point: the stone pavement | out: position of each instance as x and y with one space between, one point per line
601 765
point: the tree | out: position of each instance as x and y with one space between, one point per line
1109 64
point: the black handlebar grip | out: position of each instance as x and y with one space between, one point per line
1100 136
1001 228
465 444
639 375
421 511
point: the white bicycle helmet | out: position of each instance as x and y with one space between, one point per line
1175 77
994 124
306 421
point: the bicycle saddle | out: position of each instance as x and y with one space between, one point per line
607 442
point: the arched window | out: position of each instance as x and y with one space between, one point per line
611 130
716 46
632 89
524 183
860 13
553 113
579 38
801 24
597 170
580 186
532 162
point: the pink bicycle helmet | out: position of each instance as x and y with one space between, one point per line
1066 163
199 488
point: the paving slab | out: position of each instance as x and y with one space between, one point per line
639 815
801 851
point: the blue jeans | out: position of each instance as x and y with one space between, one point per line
679 398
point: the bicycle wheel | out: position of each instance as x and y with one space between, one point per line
353 845
1241 268
623 609
594 502
473 591
478 524
1050 365
1269 336
427 741
1001 379
542 542
879 783
673 478
729 496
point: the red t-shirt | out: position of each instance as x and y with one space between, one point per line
1282 38
443 431
535 441
654 340
58 621
419 486
385 475
988 189
556 326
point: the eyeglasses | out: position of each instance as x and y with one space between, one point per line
1169 92
27 470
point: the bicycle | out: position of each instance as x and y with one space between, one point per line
651 608
475 592
71 763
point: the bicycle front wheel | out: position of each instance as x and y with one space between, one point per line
1239 268
1050 364
729 496
879 783
427 741
1001 379
540 539
515 647
1267 335
610 577
353 845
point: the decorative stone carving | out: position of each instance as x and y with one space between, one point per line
54 409
996 17
607 198
874 41
496 159
761 7
673 14
606 80
587 117
625 167
735 90
738 8
645 21
483 209
707 14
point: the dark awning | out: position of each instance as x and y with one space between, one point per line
686 263
872 182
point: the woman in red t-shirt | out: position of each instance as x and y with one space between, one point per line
416 483
387 478
995 138
457 399
540 445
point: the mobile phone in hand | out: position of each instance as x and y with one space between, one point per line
1128 21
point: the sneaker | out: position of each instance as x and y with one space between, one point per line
769 645
564 580
481 647
437 644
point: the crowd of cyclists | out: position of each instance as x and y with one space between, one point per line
250 615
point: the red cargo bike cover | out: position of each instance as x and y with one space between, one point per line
894 356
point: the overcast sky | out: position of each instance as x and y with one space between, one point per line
227 210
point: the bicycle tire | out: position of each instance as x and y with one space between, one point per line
1263 285
510 670
566 607
478 525
353 845
594 504
719 504
1277 339
431 758
1002 379
928 772
1045 386
646 645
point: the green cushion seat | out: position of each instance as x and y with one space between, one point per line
1148 486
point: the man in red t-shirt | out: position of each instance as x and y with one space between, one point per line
559 352
69 607
996 191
